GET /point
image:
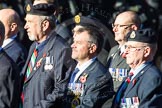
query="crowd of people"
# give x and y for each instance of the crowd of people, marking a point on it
(73, 67)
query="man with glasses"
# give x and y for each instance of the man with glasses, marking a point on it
(123, 23)
(143, 88)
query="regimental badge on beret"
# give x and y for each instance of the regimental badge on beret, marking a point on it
(28, 8)
(44, 9)
(77, 19)
(133, 34)
(146, 35)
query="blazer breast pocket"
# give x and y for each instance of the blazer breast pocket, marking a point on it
(47, 80)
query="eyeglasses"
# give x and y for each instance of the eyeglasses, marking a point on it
(118, 25)
(133, 48)
(80, 42)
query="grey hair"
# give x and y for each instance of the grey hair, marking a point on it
(51, 20)
(153, 47)
(95, 34)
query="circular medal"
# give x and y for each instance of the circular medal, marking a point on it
(75, 102)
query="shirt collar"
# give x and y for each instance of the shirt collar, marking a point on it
(138, 69)
(83, 67)
(86, 64)
(40, 46)
(9, 40)
(122, 49)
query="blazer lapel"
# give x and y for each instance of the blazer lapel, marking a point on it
(27, 62)
(35, 68)
(137, 77)
(9, 44)
(131, 85)
(120, 59)
(87, 71)
(28, 59)
(116, 58)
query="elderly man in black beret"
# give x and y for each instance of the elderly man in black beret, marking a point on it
(48, 62)
(143, 87)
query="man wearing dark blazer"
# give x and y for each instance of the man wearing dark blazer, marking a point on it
(9, 77)
(42, 84)
(12, 46)
(144, 88)
(91, 85)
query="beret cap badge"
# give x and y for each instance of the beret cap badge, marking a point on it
(77, 19)
(43, 9)
(146, 35)
(28, 8)
(133, 34)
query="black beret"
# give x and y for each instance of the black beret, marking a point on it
(81, 20)
(146, 35)
(40, 9)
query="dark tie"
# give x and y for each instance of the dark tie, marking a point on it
(121, 91)
(73, 75)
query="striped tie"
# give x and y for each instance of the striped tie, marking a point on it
(28, 72)
(31, 63)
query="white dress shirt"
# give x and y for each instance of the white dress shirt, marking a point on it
(83, 67)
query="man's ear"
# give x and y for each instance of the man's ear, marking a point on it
(13, 26)
(147, 51)
(45, 25)
(92, 48)
(134, 27)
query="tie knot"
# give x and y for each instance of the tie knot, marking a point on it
(76, 70)
(35, 51)
(74, 74)
(129, 77)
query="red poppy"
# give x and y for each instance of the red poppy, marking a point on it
(83, 79)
